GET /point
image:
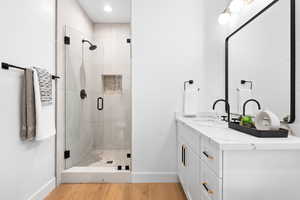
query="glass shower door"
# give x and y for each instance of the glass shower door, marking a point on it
(78, 99)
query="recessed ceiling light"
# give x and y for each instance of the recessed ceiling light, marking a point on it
(107, 8)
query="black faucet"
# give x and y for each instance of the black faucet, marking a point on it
(191, 82)
(250, 100)
(227, 107)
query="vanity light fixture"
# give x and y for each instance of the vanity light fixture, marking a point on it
(248, 1)
(235, 6)
(224, 17)
(107, 8)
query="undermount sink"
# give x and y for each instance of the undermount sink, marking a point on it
(209, 121)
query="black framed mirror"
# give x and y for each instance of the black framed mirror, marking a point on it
(260, 61)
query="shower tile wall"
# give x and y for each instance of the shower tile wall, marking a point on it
(113, 55)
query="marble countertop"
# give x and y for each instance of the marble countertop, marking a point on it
(229, 139)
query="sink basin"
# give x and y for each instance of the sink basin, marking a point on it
(209, 122)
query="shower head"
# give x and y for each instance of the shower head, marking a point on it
(92, 46)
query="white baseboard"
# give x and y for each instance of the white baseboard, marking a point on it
(154, 177)
(43, 191)
(95, 175)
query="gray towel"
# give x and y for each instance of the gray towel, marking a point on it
(45, 82)
(28, 131)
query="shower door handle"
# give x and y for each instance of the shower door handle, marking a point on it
(100, 107)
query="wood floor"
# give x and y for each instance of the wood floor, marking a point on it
(144, 191)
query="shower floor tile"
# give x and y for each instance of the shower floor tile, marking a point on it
(106, 158)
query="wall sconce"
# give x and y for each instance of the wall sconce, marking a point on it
(235, 6)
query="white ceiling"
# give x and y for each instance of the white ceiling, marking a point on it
(121, 10)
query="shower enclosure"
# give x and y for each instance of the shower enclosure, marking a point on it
(98, 100)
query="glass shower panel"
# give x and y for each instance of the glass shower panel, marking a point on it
(78, 140)
(114, 58)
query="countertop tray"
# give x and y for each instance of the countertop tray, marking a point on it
(281, 133)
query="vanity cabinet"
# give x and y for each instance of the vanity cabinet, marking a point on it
(222, 164)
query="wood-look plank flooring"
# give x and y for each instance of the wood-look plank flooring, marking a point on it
(143, 191)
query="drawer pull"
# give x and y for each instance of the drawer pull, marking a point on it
(183, 155)
(208, 156)
(207, 189)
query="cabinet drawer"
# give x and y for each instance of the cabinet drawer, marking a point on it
(204, 196)
(211, 185)
(211, 155)
(189, 136)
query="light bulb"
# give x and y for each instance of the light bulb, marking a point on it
(236, 6)
(107, 8)
(248, 1)
(224, 18)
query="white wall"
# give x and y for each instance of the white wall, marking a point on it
(167, 49)
(27, 39)
(113, 58)
(70, 14)
(214, 54)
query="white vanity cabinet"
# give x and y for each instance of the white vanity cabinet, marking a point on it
(222, 164)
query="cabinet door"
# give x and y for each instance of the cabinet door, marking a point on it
(182, 166)
(187, 165)
(180, 160)
(193, 170)
(210, 183)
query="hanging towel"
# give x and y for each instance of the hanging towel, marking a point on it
(244, 94)
(45, 116)
(28, 129)
(190, 106)
(45, 83)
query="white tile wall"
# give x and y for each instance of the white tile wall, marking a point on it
(113, 57)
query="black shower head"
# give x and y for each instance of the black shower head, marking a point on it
(92, 46)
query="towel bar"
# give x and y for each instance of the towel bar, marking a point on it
(6, 66)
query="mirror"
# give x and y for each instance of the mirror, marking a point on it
(260, 62)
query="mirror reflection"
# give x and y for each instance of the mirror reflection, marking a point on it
(260, 63)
